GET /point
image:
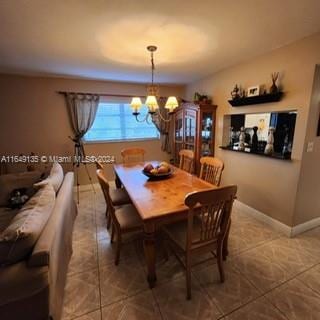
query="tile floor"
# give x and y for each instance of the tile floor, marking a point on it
(268, 276)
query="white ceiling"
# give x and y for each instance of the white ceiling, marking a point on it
(103, 39)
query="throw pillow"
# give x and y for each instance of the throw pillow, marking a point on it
(19, 238)
(55, 177)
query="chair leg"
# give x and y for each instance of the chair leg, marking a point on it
(112, 233)
(220, 261)
(118, 248)
(225, 243)
(188, 277)
(108, 220)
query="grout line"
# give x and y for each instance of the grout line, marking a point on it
(97, 245)
(265, 293)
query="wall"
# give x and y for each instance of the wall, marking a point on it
(308, 200)
(268, 185)
(34, 117)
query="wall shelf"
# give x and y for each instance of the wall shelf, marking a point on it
(278, 156)
(265, 98)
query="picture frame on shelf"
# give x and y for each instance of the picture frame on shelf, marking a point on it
(253, 91)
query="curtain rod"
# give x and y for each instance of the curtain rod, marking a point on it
(104, 94)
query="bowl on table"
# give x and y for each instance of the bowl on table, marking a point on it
(161, 171)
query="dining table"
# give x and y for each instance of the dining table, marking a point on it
(158, 202)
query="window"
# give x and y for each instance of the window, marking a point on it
(114, 121)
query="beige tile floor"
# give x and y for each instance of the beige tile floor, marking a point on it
(268, 276)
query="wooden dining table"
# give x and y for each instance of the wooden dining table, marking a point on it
(157, 201)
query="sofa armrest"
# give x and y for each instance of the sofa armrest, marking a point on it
(62, 218)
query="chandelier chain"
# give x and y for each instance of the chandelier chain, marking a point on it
(152, 68)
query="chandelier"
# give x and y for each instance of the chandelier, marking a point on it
(151, 100)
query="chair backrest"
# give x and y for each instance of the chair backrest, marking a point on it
(211, 170)
(105, 187)
(186, 160)
(99, 165)
(212, 217)
(132, 155)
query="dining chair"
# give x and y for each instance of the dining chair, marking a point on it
(125, 219)
(186, 160)
(132, 154)
(211, 170)
(204, 230)
(118, 196)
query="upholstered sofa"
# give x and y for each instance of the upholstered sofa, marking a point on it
(32, 289)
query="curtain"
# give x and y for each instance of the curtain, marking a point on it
(165, 128)
(82, 110)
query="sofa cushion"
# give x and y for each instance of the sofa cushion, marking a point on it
(55, 177)
(12, 181)
(19, 238)
(6, 215)
(18, 282)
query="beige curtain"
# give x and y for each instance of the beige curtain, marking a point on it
(82, 110)
(165, 128)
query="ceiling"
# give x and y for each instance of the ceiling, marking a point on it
(103, 39)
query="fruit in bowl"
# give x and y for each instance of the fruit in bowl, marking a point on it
(162, 170)
(164, 164)
(148, 167)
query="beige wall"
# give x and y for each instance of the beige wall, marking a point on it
(308, 200)
(34, 117)
(268, 185)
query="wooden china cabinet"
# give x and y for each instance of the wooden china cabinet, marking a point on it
(194, 129)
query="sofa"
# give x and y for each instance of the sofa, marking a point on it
(32, 288)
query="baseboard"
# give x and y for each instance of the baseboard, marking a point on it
(300, 228)
(275, 224)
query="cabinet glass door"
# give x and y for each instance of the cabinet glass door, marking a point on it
(206, 134)
(178, 128)
(190, 130)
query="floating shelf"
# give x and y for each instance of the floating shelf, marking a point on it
(265, 98)
(278, 156)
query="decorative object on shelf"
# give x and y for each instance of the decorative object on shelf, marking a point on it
(231, 136)
(286, 150)
(254, 142)
(274, 77)
(242, 93)
(269, 147)
(235, 93)
(242, 138)
(253, 91)
(201, 98)
(151, 100)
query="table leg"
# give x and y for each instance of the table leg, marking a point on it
(117, 182)
(225, 251)
(150, 253)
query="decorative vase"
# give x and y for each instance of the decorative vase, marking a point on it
(242, 138)
(269, 147)
(285, 148)
(235, 92)
(255, 139)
